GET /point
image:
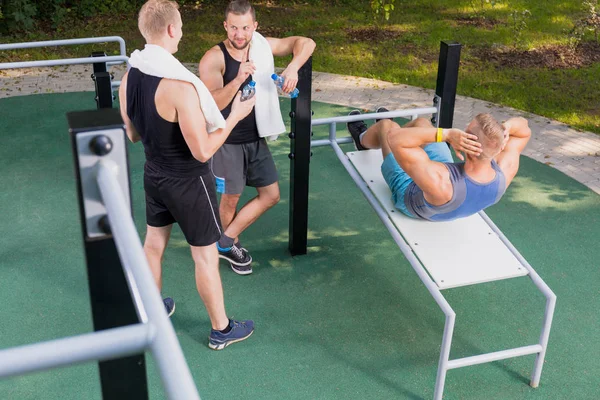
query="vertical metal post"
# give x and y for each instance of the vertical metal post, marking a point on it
(102, 81)
(447, 81)
(300, 160)
(111, 301)
(444, 355)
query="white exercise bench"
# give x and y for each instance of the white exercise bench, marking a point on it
(448, 255)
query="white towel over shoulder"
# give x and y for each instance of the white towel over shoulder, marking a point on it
(156, 61)
(268, 114)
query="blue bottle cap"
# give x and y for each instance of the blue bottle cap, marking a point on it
(251, 83)
(274, 76)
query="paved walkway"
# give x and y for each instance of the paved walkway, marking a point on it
(576, 154)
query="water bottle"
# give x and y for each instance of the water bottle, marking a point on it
(248, 91)
(279, 83)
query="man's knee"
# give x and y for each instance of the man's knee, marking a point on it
(270, 197)
(421, 123)
(229, 201)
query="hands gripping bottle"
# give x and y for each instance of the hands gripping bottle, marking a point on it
(279, 83)
(248, 91)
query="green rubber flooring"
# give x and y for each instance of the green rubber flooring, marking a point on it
(349, 320)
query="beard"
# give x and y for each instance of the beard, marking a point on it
(242, 47)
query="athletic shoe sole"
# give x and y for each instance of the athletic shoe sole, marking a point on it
(221, 346)
(172, 311)
(248, 272)
(235, 262)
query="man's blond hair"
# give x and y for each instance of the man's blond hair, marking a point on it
(490, 134)
(155, 16)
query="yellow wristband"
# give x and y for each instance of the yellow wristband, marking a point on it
(438, 136)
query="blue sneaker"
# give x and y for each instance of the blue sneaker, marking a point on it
(239, 331)
(169, 305)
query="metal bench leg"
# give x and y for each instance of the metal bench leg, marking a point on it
(444, 356)
(539, 360)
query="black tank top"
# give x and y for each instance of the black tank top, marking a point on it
(245, 131)
(164, 145)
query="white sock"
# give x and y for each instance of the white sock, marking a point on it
(360, 137)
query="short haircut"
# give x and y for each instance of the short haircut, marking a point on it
(240, 7)
(155, 16)
(490, 134)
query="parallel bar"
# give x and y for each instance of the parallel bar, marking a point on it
(103, 345)
(389, 114)
(68, 61)
(327, 142)
(174, 372)
(495, 356)
(66, 42)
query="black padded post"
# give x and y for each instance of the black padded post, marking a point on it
(447, 81)
(103, 83)
(300, 136)
(111, 301)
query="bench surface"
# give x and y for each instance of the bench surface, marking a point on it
(456, 253)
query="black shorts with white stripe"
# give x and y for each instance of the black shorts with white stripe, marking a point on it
(191, 202)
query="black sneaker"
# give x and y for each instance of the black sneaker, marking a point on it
(241, 270)
(380, 110)
(169, 305)
(356, 129)
(235, 255)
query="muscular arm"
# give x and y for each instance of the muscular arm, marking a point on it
(301, 47)
(518, 135)
(193, 124)
(432, 177)
(132, 133)
(211, 69)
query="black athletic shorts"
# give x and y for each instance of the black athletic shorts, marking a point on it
(191, 202)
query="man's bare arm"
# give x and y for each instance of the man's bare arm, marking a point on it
(301, 47)
(132, 133)
(203, 145)
(517, 133)
(211, 69)
(406, 145)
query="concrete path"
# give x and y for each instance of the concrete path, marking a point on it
(574, 153)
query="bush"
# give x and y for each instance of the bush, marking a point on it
(24, 15)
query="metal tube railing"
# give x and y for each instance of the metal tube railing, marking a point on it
(389, 114)
(174, 372)
(67, 42)
(67, 61)
(104, 345)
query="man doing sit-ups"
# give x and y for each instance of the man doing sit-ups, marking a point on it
(419, 169)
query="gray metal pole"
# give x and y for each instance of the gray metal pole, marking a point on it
(171, 364)
(68, 61)
(103, 345)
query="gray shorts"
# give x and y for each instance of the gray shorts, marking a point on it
(236, 166)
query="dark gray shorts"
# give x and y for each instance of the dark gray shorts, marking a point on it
(236, 166)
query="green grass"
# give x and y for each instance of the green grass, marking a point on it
(568, 95)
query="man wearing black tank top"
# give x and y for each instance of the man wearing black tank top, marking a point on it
(165, 115)
(244, 159)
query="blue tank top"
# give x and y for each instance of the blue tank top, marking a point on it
(468, 197)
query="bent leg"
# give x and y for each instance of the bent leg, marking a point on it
(376, 136)
(267, 197)
(208, 283)
(228, 208)
(154, 247)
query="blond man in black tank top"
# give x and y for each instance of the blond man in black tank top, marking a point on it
(166, 116)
